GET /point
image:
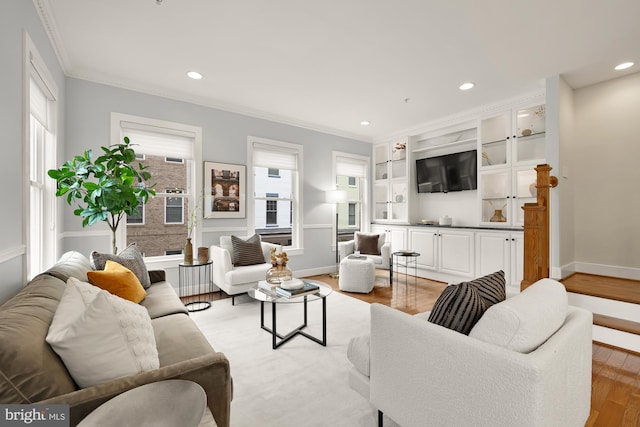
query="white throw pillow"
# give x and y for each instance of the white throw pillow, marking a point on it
(525, 321)
(76, 298)
(110, 338)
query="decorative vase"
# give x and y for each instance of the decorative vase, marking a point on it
(203, 255)
(498, 217)
(278, 273)
(188, 252)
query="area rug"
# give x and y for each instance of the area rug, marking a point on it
(301, 383)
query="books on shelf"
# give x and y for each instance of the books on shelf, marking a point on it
(308, 288)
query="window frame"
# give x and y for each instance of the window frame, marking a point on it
(364, 184)
(170, 193)
(195, 175)
(297, 196)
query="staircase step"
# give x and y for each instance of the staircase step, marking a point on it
(617, 324)
(625, 290)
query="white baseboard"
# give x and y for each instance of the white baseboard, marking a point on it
(607, 307)
(607, 270)
(616, 338)
(315, 271)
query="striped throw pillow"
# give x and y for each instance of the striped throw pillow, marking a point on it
(458, 307)
(247, 252)
(491, 288)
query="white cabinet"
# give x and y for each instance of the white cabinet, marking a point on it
(396, 235)
(511, 144)
(442, 250)
(390, 184)
(501, 250)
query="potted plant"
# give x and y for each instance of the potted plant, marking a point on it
(106, 189)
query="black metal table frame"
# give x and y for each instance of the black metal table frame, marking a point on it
(410, 261)
(189, 274)
(297, 331)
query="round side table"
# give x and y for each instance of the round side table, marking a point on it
(409, 260)
(195, 282)
(166, 403)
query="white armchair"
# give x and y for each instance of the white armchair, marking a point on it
(379, 261)
(234, 280)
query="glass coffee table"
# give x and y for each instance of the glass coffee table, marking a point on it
(278, 339)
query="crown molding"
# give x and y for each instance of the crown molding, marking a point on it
(43, 8)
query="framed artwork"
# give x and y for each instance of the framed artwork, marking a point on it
(224, 190)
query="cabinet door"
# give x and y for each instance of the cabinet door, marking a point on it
(495, 193)
(529, 145)
(425, 242)
(493, 254)
(517, 259)
(398, 205)
(456, 252)
(380, 201)
(495, 134)
(524, 191)
(398, 238)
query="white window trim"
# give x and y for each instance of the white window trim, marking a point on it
(365, 207)
(196, 177)
(166, 198)
(297, 226)
(34, 66)
(170, 160)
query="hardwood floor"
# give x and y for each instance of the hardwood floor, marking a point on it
(615, 389)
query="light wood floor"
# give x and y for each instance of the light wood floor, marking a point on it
(615, 390)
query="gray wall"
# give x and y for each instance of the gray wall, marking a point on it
(89, 106)
(17, 16)
(607, 173)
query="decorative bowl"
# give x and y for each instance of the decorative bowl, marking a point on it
(292, 284)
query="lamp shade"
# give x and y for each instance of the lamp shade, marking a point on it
(336, 196)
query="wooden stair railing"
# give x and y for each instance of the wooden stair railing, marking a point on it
(536, 229)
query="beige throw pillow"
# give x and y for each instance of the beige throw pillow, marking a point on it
(101, 337)
(130, 257)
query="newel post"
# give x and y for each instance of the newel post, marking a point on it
(536, 229)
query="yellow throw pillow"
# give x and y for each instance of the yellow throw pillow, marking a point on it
(118, 280)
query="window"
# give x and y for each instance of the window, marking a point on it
(351, 176)
(352, 214)
(40, 152)
(137, 219)
(276, 181)
(169, 151)
(273, 173)
(173, 207)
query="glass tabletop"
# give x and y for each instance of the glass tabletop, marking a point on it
(266, 295)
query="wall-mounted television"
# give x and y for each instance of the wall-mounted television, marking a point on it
(451, 172)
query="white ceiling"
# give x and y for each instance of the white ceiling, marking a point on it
(330, 64)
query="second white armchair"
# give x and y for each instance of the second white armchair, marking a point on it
(371, 245)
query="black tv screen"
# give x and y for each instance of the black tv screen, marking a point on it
(451, 172)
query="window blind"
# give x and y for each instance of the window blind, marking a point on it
(347, 166)
(273, 156)
(155, 141)
(38, 103)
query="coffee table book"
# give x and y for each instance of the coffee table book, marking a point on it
(308, 288)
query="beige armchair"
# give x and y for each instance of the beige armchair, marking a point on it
(380, 260)
(235, 280)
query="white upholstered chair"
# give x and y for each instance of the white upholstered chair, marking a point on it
(235, 280)
(380, 260)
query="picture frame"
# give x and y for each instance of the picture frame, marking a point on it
(224, 190)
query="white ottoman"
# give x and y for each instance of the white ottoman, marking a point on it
(357, 274)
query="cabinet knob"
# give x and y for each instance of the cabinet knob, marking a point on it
(507, 137)
(506, 240)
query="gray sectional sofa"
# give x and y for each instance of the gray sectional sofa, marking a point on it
(31, 372)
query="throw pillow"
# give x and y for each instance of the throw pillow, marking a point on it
(492, 288)
(108, 339)
(130, 257)
(118, 280)
(458, 307)
(247, 252)
(76, 297)
(367, 243)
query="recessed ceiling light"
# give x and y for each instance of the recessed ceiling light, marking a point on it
(365, 123)
(467, 86)
(194, 75)
(623, 66)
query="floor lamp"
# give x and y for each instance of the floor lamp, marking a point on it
(335, 197)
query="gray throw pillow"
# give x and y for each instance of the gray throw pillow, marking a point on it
(367, 243)
(458, 307)
(492, 288)
(247, 252)
(130, 257)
